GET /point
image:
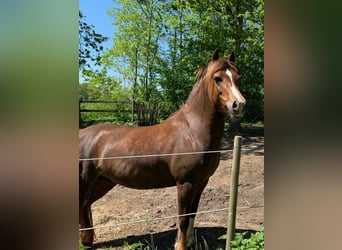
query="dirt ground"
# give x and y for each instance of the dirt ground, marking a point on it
(121, 205)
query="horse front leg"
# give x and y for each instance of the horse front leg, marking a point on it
(198, 190)
(184, 196)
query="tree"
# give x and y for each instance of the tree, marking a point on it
(159, 45)
(89, 43)
(102, 87)
(135, 52)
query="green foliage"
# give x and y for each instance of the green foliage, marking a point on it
(255, 242)
(82, 247)
(101, 87)
(140, 246)
(242, 242)
(134, 246)
(90, 46)
(159, 45)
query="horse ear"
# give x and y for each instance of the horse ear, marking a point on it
(232, 57)
(215, 55)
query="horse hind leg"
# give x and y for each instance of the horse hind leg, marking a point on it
(87, 235)
(88, 195)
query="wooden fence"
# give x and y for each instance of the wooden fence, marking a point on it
(112, 107)
(105, 110)
(140, 113)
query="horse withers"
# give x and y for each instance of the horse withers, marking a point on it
(196, 127)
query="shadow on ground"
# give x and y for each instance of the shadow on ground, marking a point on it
(165, 240)
(252, 141)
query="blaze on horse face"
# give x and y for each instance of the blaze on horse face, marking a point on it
(231, 101)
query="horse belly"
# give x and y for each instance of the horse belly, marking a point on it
(141, 176)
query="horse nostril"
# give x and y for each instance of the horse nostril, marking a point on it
(235, 106)
(238, 107)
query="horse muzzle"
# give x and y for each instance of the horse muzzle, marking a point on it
(237, 108)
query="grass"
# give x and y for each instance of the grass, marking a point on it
(81, 247)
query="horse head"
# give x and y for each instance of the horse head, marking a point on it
(223, 86)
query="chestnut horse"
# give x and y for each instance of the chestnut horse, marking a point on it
(196, 127)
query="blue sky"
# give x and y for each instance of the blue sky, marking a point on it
(95, 14)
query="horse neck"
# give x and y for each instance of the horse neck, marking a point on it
(202, 114)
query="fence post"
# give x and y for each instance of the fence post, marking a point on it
(233, 191)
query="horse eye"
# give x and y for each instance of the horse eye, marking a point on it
(217, 79)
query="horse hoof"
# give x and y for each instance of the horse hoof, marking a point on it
(87, 240)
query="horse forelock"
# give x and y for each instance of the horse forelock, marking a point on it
(204, 78)
(213, 67)
(218, 66)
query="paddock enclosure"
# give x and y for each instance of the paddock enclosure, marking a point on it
(182, 151)
(122, 205)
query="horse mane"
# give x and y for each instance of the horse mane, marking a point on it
(201, 74)
(201, 71)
